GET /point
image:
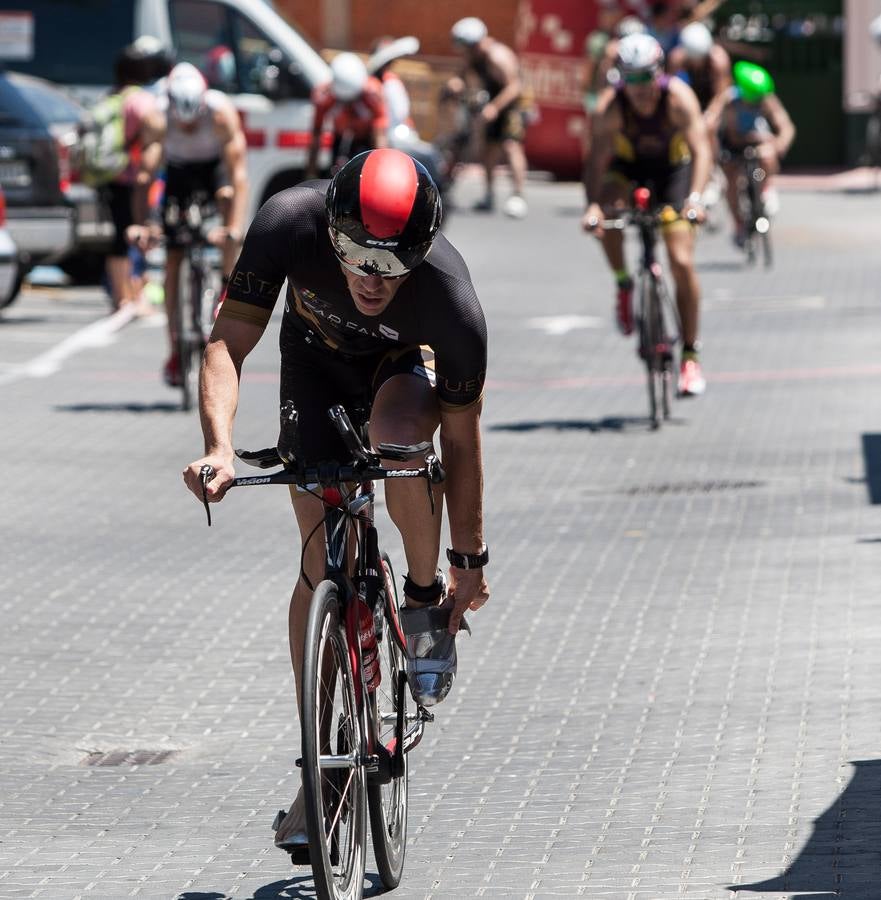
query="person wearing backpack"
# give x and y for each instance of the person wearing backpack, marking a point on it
(122, 154)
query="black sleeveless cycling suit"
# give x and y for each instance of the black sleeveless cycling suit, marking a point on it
(651, 150)
(433, 328)
(508, 124)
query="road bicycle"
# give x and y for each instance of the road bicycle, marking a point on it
(358, 721)
(657, 318)
(757, 222)
(199, 288)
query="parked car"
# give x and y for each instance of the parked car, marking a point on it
(242, 46)
(52, 217)
(10, 270)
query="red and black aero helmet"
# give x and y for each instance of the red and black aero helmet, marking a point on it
(383, 211)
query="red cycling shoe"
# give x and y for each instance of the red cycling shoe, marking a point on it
(624, 307)
(171, 371)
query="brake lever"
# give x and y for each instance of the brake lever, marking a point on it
(206, 473)
(430, 491)
(434, 474)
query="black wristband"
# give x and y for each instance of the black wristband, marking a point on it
(468, 560)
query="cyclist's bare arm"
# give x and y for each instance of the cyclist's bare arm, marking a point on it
(685, 111)
(606, 124)
(314, 143)
(720, 65)
(230, 343)
(152, 138)
(781, 124)
(463, 489)
(232, 137)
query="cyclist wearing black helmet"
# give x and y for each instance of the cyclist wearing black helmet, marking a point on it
(381, 316)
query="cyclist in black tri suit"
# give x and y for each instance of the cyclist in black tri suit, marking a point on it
(705, 66)
(496, 68)
(374, 321)
(649, 131)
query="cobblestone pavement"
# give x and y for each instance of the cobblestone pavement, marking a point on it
(672, 693)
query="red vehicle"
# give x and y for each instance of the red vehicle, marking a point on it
(550, 43)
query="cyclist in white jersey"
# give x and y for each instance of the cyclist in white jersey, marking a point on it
(204, 153)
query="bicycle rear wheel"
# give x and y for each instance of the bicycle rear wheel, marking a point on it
(388, 802)
(334, 784)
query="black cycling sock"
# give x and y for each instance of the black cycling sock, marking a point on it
(424, 594)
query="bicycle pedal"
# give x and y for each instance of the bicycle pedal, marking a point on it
(425, 715)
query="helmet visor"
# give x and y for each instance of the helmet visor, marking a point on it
(385, 262)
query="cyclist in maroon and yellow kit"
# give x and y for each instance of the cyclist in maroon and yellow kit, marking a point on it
(649, 131)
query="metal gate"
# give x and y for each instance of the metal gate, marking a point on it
(801, 43)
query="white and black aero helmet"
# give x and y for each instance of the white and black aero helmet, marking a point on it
(383, 212)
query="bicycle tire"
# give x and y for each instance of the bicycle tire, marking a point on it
(666, 314)
(183, 341)
(650, 336)
(195, 338)
(335, 797)
(872, 150)
(767, 252)
(388, 803)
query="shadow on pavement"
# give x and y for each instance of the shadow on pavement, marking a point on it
(23, 320)
(609, 423)
(120, 407)
(300, 888)
(872, 460)
(841, 857)
(720, 265)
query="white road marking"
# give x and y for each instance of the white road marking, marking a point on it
(97, 334)
(559, 325)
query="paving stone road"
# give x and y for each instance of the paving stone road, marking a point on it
(673, 692)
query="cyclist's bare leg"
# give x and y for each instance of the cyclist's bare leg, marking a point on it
(490, 155)
(406, 411)
(119, 274)
(680, 240)
(173, 259)
(516, 158)
(732, 172)
(614, 197)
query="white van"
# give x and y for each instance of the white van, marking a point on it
(243, 46)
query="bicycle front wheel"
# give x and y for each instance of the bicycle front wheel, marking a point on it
(650, 338)
(334, 783)
(388, 802)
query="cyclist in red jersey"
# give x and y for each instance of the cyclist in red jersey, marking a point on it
(352, 102)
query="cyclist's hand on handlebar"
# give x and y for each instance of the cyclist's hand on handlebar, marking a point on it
(468, 590)
(217, 485)
(694, 211)
(143, 236)
(592, 220)
(219, 235)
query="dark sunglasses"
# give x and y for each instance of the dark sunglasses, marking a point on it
(639, 77)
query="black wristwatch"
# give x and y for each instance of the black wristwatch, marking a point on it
(468, 560)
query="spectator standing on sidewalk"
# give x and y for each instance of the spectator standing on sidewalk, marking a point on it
(127, 194)
(496, 67)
